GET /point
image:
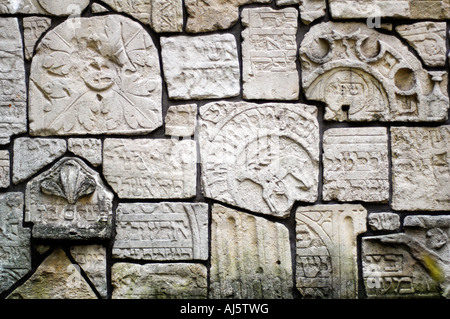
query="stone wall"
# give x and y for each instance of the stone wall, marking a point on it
(239, 149)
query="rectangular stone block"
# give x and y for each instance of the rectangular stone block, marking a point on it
(151, 168)
(4, 169)
(161, 231)
(420, 168)
(181, 120)
(356, 165)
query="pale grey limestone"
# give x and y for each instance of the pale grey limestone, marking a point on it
(32, 154)
(310, 10)
(420, 168)
(161, 231)
(33, 28)
(4, 169)
(15, 250)
(364, 75)
(151, 168)
(250, 257)
(269, 54)
(69, 201)
(201, 67)
(181, 120)
(50, 7)
(88, 148)
(159, 281)
(356, 164)
(326, 250)
(384, 221)
(97, 75)
(13, 96)
(98, 8)
(260, 157)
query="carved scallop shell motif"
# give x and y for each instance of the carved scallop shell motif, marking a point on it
(70, 181)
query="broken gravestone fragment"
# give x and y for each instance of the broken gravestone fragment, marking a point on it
(250, 257)
(415, 263)
(384, 221)
(97, 75)
(15, 250)
(420, 168)
(364, 75)
(4, 169)
(181, 120)
(33, 28)
(88, 148)
(261, 157)
(159, 281)
(161, 231)
(69, 201)
(310, 10)
(326, 253)
(49, 7)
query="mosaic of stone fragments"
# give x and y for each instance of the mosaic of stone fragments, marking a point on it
(224, 149)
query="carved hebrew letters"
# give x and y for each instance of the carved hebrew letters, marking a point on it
(201, 67)
(33, 28)
(326, 250)
(97, 75)
(260, 157)
(384, 221)
(12, 81)
(151, 168)
(420, 168)
(356, 164)
(4, 169)
(363, 75)
(269, 52)
(181, 120)
(69, 201)
(250, 257)
(161, 231)
(15, 251)
(88, 148)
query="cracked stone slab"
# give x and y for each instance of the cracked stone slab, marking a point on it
(88, 148)
(260, 157)
(420, 168)
(33, 28)
(151, 168)
(250, 257)
(201, 67)
(159, 281)
(4, 169)
(356, 164)
(13, 117)
(161, 231)
(108, 86)
(181, 120)
(269, 54)
(384, 221)
(310, 10)
(49, 7)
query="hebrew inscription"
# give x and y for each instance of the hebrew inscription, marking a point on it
(4, 169)
(33, 27)
(326, 250)
(269, 53)
(88, 148)
(260, 157)
(363, 75)
(420, 168)
(384, 221)
(151, 168)
(356, 164)
(69, 201)
(97, 75)
(181, 120)
(161, 231)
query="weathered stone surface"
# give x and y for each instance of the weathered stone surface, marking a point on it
(428, 39)
(4, 169)
(13, 118)
(32, 154)
(211, 15)
(52, 7)
(92, 259)
(356, 164)
(310, 10)
(151, 168)
(201, 67)
(161, 231)
(159, 281)
(97, 75)
(161, 15)
(88, 148)
(269, 54)
(33, 28)
(181, 120)
(384, 221)
(69, 201)
(364, 75)
(55, 278)
(415, 263)
(250, 257)
(409, 9)
(420, 168)
(260, 157)
(98, 8)
(15, 251)
(326, 253)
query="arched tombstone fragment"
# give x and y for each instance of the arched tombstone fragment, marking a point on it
(49, 7)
